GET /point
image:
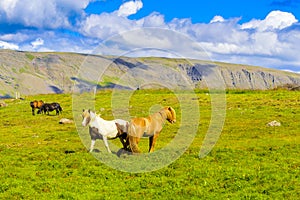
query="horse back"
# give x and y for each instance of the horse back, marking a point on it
(105, 128)
(140, 122)
(39, 103)
(138, 126)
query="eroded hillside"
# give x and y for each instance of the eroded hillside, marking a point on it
(40, 73)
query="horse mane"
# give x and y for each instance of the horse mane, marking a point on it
(169, 112)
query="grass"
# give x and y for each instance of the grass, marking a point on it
(249, 161)
(30, 56)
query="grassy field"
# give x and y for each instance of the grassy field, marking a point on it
(42, 159)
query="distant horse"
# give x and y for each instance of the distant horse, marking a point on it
(149, 126)
(49, 107)
(36, 105)
(103, 129)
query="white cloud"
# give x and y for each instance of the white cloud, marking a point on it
(153, 42)
(14, 37)
(6, 45)
(153, 20)
(265, 45)
(50, 41)
(105, 25)
(36, 43)
(269, 42)
(217, 18)
(41, 14)
(130, 8)
(288, 70)
(274, 20)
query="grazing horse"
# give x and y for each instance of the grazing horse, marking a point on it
(36, 105)
(49, 107)
(103, 129)
(149, 126)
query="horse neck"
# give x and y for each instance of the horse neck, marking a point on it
(97, 120)
(163, 115)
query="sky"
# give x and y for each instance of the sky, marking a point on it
(254, 32)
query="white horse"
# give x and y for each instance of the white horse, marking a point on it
(103, 129)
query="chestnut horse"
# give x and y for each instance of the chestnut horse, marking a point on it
(149, 126)
(36, 105)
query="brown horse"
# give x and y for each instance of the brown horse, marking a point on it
(149, 126)
(36, 105)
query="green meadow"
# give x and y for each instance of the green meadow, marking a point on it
(42, 159)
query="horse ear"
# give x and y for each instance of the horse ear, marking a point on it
(169, 108)
(89, 110)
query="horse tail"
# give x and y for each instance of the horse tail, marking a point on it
(119, 130)
(59, 108)
(131, 129)
(133, 138)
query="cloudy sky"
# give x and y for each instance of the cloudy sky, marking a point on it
(263, 33)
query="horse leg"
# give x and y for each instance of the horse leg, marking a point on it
(152, 141)
(133, 142)
(123, 142)
(92, 145)
(106, 144)
(32, 111)
(127, 143)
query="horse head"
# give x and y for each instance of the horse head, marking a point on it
(171, 114)
(86, 117)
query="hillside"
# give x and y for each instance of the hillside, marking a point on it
(40, 73)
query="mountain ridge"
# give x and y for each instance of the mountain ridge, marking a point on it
(56, 72)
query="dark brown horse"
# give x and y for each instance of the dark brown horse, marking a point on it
(150, 127)
(49, 107)
(36, 105)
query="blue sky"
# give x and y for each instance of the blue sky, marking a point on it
(202, 11)
(257, 32)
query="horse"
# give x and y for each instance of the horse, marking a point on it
(103, 129)
(36, 105)
(49, 107)
(150, 126)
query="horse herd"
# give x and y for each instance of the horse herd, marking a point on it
(45, 107)
(129, 132)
